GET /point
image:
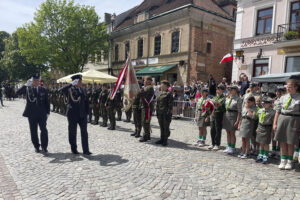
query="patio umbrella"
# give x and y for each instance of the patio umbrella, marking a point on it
(97, 77)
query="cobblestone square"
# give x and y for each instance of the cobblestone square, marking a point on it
(123, 168)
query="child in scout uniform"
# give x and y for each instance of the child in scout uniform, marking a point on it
(247, 125)
(253, 143)
(202, 117)
(287, 123)
(233, 106)
(264, 129)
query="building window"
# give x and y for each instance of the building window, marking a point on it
(292, 64)
(264, 21)
(140, 48)
(295, 16)
(117, 52)
(127, 49)
(157, 45)
(261, 67)
(208, 47)
(175, 42)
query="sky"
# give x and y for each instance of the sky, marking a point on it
(15, 13)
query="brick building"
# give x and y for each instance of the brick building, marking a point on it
(177, 40)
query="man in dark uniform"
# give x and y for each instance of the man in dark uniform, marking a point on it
(89, 95)
(164, 112)
(95, 102)
(147, 99)
(111, 105)
(77, 113)
(37, 111)
(119, 102)
(102, 99)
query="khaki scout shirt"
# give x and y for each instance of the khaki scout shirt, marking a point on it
(292, 108)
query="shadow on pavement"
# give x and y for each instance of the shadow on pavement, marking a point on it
(107, 159)
(63, 157)
(128, 130)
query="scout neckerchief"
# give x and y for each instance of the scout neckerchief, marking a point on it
(228, 104)
(262, 117)
(258, 108)
(288, 102)
(200, 104)
(148, 112)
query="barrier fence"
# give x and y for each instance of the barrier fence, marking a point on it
(184, 109)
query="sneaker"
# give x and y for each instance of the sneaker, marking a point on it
(216, 148)
(198, 142)
(245, 156)
(226, 150)
(289, 165)
(259, 159)
(283, 162)
(240, 155)
(211, 147)
(231, 151)
(296, 156)
(201, 144)
(265, 160)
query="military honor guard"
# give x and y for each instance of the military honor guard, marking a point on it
(102, 100)
(111, 105)
(37, 111)
(77, 113)
(287, 123)
(95, 102)
(89, 95)
(119, 100)
(137, 115)
(164, 107)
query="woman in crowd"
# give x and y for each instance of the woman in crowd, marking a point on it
(232, 118)
(287, 123)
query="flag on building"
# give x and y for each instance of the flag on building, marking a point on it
(121, 78)
(131, 88)
(227, 58)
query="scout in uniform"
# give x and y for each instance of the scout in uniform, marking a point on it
(217, 117)
(164, 107)
(77, 113)
(264, 129)
(95, 102)
(247, 124)
(102, 99)
(202, 117)
(253, 87)
(147, 100)
(37, 111)
(137, 115)
(287, 123)
(111, 105)
(233, 107)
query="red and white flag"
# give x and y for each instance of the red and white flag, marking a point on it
(227, 58)
(120, 78)
(131, 88)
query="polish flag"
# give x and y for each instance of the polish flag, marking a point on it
(121, 78)
(227, 58)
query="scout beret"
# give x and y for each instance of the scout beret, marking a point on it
(267, 100)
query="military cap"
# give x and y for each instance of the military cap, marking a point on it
(77, 76)
(267, 100)
(221, 86)
(35, 76)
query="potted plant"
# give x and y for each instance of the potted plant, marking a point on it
(291, 35)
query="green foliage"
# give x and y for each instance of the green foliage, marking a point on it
(63, 35)
(3, 35)
(291, 35)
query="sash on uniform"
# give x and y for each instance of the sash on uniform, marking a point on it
(148, 111)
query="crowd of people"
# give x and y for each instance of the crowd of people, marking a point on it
(260, 119)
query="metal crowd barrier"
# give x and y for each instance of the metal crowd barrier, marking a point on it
(184, 109)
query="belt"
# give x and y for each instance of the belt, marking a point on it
(231, 110)
(266, 125)
(291, 115)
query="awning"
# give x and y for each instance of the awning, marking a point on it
(154, 70)
(276, 78)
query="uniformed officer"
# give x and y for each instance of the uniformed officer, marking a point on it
(164, 107)
(147, 98)
(216, 119)
(37, 111)
(137, 115)
(287, 123)
(95, 102)
(119, 100)
(89, 95)
(102, 99)
(77, 113)
(128, 114)
(111, 105)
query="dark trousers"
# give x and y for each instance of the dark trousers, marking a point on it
(216, 128)
(104, 114)
(112, 117)
(137, 117)
(129, 114)
(82, 122)
(1, 100)
(164, 123)
(34, 122)
(96, 112)
(119, 112)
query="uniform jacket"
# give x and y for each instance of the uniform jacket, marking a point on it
(37, 105)
(164, 103)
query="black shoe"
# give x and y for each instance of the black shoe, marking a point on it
(104, 125)
(143, 140)
(138, 135)
(159, 142)
(75, 152)
(165, 143)
(96, 123)
(87, 153)
(44, 150)
(119, 119)
(37, 150)
(133, 134)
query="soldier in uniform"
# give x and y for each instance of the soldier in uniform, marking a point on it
(119, 100)
(128, 114)
(95, 102)
(147, 97)
(137, 115)
(89, 94)
(37, 111)
(164, 107)
(77, 113)
(111, 105)
(102, 99)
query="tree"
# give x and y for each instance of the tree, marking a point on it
(3, 36)
(14, 64)
(63, 35)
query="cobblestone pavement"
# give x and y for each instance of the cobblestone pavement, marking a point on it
(123, 168)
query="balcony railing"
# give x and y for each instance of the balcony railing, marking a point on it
(289, 31)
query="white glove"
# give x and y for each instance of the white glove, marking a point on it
(29, 83)
(75, 82)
